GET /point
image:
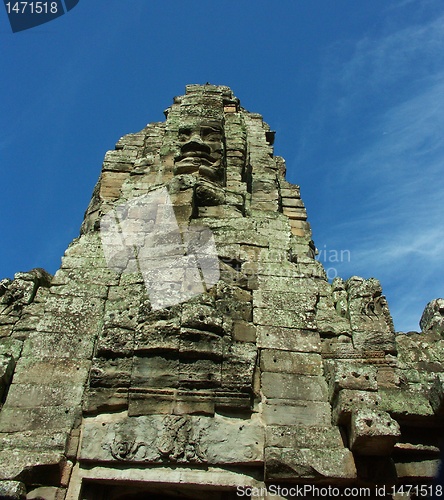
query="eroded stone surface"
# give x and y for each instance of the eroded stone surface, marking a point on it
(254, 362)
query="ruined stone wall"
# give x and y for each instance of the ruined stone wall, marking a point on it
(269, 375)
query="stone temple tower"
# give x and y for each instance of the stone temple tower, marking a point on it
(190, 346)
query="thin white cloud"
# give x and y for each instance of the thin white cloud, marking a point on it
(390, 96)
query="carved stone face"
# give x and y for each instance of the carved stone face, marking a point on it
(201, 150)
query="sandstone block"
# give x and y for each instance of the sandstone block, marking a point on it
(373, 432)
(162, 336)
(51, 371)
(115, 342)
(200, 373)
(11, 347)
(301, 436)
(436, 396)
(285, 300)
(51, 418)
(244, 331)
(291, 386)
(309, 464)
(273, 360)
(202, 317)
(349, 401)
(285, 318)
(238, 366)
(36, 395)
(348, 375)
(12, 490)
(105, 399)
(111, 372)
(111, 184)
(172, 439)
(288, 339)
(405, 405)
(155, 371)
(432, 319)
(291, 412)
(71, 346)
(199, 344)
(7, 365)
(424, 469)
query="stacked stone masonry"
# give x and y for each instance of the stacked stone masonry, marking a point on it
(271, 375)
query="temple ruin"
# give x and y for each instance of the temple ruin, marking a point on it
(190, 345)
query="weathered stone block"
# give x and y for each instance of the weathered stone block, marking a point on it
(432, 319)
(197, 344)
(105, 399)
(367, 307)
(420, 470)
(301, 436)
(36, 395)
(373, 432)
(202, 317)
(46, 492)
(58, 344)
(51, 418)
(273, 360)
(7, 365)
(200, 373)
(436, 395)
(12, 490)
(220, 211)
(111, 184)
(93, 276)
(349, 401)
(238, 366)
(405, 405)
(115, 342)
(291, 386)
(375, 340)
(155, 371)
(309, 464)
(388, 377)
(51, 371)
(285, 299)
(348, 375)
(327, 318)
(291, 412)
(80, 322)
(285, 318)
(172, 438)
(288, 339)
(32, 463)
(235, 308)
(11, 347)
(292, 202)
(30, 441)
(244, 331)
(161, 336)
(111, 372)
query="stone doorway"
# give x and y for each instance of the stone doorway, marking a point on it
(110, 491)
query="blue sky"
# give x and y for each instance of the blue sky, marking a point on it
(354, 90)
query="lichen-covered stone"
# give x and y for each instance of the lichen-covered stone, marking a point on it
(190, 337)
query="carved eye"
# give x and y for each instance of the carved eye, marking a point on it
(184, 133)
(211, 134)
